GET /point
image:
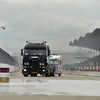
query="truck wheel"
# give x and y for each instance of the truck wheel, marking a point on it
(46, 75)
(42, 74)
(35, 75)
(25, 75)
(31, 75)
(59, 74)
(53, 74)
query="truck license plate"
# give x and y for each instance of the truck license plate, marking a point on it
(34, 56)
(34, 72)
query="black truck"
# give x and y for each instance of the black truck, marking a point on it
(36, 59)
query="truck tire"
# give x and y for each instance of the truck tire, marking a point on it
(42, 74)
(59, 74)
(53, 74)
(31, 75)
(35, 75)
(46, 75)
(25, 75)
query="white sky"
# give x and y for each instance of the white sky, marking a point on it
(56, 21)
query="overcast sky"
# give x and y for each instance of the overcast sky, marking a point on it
(56, 21)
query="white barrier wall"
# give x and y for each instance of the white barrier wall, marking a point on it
(11, 68)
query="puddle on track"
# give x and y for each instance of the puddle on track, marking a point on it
(50, 87)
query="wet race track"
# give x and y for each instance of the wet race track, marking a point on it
(66, 86)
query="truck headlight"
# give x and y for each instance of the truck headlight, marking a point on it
(24, 63)
(43, 64)
(25, 70)
(40, 64)
(27, 63)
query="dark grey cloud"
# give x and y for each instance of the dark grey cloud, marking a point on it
(56, 21)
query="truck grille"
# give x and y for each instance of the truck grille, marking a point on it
(35, 65)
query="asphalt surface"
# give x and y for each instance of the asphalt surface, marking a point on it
(66, 87)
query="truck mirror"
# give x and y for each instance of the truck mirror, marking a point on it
(21, 52)
(48, 52)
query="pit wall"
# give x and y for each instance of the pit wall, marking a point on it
(6, 58)
(82, 73)
(88, 68)
(11, 67)
(6, 61)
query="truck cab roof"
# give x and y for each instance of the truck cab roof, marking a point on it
(35, 46)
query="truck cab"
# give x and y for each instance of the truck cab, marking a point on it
(55, 61)
(35, 58)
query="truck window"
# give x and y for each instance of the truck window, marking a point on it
(55, 62)
(34, 52)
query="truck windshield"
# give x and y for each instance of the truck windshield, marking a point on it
(55, 62)
(34, 52)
